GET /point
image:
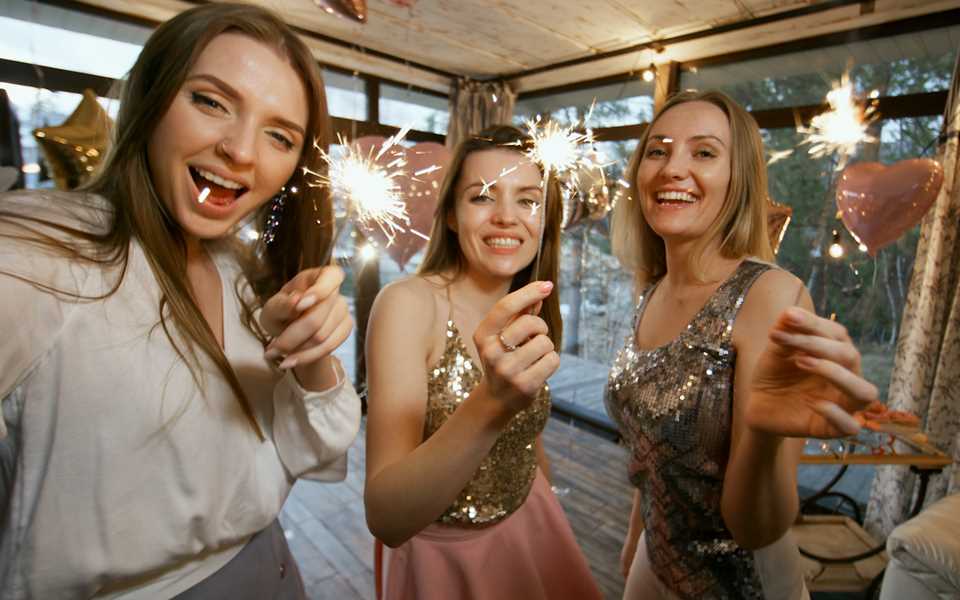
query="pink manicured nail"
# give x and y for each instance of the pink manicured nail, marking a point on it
(306, 303)
(288, 363)
(546, 286)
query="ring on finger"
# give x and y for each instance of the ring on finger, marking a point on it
(506, 346)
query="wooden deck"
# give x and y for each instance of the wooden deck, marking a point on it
(325, 526)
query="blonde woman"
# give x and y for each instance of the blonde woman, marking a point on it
(727, 368)
(457, 480)
(147, 441)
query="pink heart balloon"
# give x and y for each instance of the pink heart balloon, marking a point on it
(424, 171)
(879, 203)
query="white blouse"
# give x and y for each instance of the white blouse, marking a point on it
(120, 474)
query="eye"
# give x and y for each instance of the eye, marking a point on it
(283, 140)
(529, 202)
(206, 101)
(481, 198)
(655, 152)
(705, 153)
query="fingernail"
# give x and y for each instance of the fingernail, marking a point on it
(288, 363)
(306, 303)
(271, 354)
(546, 286)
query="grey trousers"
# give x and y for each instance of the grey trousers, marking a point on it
(263, 570)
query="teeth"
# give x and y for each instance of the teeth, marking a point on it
(502, 242)
(678, 196)
(230, 185)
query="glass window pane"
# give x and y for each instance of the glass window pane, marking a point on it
(867, 294)
(896, 65)
(402, 107)
(41, 34)
(627, 103)
(346, 95)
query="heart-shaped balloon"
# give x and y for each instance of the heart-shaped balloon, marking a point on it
(426, 164)
(879, 203)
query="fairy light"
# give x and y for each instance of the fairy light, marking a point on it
(836, 248)
(368, 252)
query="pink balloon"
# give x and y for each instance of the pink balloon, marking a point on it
(879, 203)
(424, 172)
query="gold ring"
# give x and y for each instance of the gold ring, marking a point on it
(506, 346)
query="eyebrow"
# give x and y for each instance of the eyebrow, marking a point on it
(493, 185)
(667, 139)
(229, 90)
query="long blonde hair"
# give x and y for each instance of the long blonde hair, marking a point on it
(443, 255)
(306, 225)
(741, 224)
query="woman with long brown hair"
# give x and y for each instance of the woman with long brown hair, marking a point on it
(726, 370)
(149, 435)
(457, 360)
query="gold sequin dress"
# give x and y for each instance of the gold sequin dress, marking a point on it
(674, 405)
(505, 536)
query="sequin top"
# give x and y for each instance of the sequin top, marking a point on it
(503, 480)
(674, 407)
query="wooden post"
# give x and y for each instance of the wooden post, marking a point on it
(666, 84)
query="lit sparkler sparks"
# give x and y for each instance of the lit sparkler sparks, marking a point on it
(560, 151)
(371, 192)
(840, 129)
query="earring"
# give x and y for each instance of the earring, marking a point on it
(273, 217)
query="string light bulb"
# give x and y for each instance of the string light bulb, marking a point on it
(649, 73)
(836, 248)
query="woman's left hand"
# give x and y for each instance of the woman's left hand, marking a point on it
(308, 318)
(807, 382)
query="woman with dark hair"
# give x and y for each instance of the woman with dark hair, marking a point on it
(726, 370)
(148, 441)
(457, 360)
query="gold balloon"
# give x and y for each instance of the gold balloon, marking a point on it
(778, 217)
(75, 148)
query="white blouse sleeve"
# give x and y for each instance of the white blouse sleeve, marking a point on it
(313, 430)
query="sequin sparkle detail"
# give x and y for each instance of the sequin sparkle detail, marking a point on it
(503, 480)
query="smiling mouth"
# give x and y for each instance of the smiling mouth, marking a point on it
(502, 242)
(675, 198)
(221, 191)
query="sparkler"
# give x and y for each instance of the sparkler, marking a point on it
(559, 150)
(370, 191)
(842, 128)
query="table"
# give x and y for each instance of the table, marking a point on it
(860, 562)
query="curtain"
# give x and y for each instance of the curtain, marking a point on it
(926, 371)
(476, 105)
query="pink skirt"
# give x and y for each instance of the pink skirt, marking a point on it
(531, 554)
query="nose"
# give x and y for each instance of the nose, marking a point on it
(677, 166)
(504, 212)
(238, 145)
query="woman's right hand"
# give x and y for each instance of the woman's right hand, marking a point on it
(516, 353)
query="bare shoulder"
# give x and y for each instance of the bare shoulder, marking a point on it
(411, 301)
(772, 292)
